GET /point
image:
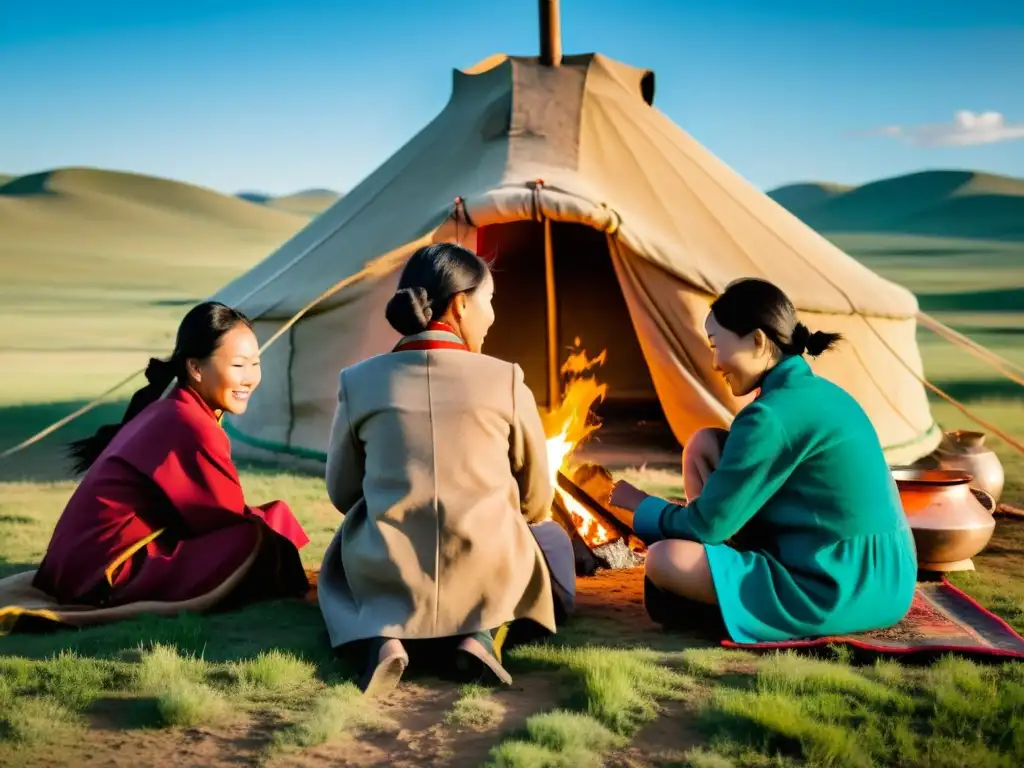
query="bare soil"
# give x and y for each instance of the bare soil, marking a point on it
(609, 603)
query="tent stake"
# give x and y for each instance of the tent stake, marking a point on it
(551, 303)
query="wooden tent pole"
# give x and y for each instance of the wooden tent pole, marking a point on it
(550, 34)
(551, 305)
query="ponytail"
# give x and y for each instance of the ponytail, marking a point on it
(159, 375)
(814, 343)
(751, 304)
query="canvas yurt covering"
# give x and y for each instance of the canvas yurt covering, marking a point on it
(646, 227)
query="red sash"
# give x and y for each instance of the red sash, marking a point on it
(437, 336)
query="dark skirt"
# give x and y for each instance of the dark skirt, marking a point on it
(681, 613)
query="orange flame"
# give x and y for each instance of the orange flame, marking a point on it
(570, 424)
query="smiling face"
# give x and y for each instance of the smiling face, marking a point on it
(742, 360)
(472, 314)
(227, 378)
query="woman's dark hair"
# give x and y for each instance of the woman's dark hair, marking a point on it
(431, 277)
(199, 335)
(751, 304)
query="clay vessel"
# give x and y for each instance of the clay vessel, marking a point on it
(966, 451)
(951, 521)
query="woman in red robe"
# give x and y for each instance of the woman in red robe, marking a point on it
(160, 515)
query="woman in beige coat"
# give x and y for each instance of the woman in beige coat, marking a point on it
(438, 461)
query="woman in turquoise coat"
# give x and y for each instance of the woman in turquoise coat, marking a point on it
(793, 525)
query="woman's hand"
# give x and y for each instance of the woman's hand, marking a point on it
(626, 496)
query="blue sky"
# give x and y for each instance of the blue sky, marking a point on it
(281, 95)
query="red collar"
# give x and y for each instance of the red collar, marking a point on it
(189, 395)
(437, 335)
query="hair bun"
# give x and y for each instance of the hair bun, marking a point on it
(409, 311)
(160, 371)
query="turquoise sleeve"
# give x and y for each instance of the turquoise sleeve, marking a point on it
(757, 460)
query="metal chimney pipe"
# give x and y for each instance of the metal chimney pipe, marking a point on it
(550, 34)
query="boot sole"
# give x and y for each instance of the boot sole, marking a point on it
(385, 677)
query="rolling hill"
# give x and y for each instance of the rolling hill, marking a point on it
(308, 202)
(109, 257)
(947, 203)
(806, 195)
(70, 218)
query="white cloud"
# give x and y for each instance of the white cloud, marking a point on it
(968, 128)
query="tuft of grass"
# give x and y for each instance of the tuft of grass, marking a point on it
(162, 664)
(613, 692)
(187, 704)
(711, 662)
(951, 714)
(698, 757)
(70, 680)
(183, 697)
(274, 672)
(337, 713)
(475, 708)
(558, 739)
(35, 720)
(619, 688)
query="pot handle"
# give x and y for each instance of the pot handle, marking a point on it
(988, 501)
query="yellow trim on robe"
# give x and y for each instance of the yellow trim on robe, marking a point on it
(127, 554)
(9, 616)
(499, 641)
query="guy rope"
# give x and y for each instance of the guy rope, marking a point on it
(387, 263)
(376, 268)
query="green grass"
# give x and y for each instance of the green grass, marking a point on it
(610, 694)
(475, 708)
(180, 688)
(71, 336)
(954, 713)
(275, 673)
(337, 713)
(559, 739)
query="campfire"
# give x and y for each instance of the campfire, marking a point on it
(582, 489)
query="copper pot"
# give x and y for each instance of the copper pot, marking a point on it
(966, 451)
(951, 521)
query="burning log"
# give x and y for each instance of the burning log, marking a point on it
(600, 538)
(584, 558)
(606, 542)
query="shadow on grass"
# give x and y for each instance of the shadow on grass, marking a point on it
(992, 333)
(974, 391)
(922, 251)
(176, 302)
(997, 300)
(289, 626)
(129, 713)
(46, 460)
(8, 568)
(268, 469)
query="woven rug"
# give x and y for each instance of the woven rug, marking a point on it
(942, 619)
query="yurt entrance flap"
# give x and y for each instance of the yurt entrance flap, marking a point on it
(556, 296)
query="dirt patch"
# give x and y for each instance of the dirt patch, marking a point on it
(423, 736)
(664, 741)
(610, 611)
(112, 746)
(116, 738)
(1004, 551)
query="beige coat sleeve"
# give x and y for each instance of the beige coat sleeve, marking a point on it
(529, 452)
(345, 459)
